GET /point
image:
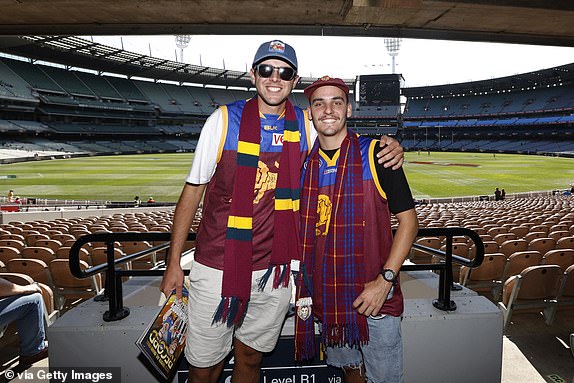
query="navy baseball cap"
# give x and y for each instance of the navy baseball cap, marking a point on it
(276, 49)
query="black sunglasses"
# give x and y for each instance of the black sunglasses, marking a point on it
(265, 70)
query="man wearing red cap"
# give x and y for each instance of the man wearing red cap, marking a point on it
(348, 278)
(248, 162)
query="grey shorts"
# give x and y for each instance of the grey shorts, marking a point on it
(208, 344)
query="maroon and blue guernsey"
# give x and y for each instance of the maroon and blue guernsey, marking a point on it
(217, 198)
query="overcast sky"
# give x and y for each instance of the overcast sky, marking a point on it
(421, 62)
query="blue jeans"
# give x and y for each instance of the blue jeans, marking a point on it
(28, 312)
(382, 356)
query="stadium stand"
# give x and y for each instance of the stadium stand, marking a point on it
(52, 110)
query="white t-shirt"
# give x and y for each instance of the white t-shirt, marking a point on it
(208, 147)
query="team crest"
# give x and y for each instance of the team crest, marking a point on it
(304, 308)
(276, 46)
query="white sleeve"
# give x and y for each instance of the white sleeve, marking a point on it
(206, 152)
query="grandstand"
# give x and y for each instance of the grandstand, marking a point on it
(48, 110)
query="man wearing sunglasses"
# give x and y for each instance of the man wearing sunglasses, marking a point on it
(248, 163)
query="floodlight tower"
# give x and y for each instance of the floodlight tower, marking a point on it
(393, 46)
(182, 42)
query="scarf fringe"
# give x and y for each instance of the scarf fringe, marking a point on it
(281, 279)
(350, 334)
(231, 310)
(305, 344)
(280, 276)
(305, 348)
(262, 282)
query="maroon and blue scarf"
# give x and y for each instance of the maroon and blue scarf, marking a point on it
(238, 253)
(343, 265)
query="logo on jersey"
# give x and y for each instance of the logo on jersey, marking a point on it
(324, 208)
(277, 139)
(266, 180)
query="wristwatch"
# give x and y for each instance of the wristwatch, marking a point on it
(389, 276)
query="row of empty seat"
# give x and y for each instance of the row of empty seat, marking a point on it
(41, 249)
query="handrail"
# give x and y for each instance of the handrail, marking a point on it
(445, 281)
(113, 287)
(113, 283)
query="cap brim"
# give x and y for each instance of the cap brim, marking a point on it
(277, 58)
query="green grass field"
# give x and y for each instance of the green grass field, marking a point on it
(120, 178)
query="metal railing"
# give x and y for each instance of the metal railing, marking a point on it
(113, 282)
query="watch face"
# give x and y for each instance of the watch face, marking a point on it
(389, 275)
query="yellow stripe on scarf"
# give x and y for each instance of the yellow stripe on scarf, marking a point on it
(248, 148)
(240, 222)
(286, 204)
(290, 136)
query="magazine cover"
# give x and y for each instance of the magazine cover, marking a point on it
(163, 341)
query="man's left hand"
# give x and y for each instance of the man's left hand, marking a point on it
(391, 153)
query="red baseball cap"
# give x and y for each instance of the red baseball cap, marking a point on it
(325, 81)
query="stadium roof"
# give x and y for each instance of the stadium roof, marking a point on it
(72, 51)
(558, 76)
(544, 22)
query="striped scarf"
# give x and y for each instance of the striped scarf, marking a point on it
(236, 286)
(343, 267)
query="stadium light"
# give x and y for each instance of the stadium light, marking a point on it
(393, 46)
(182, 42)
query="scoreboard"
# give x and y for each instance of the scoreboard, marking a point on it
(379, 89)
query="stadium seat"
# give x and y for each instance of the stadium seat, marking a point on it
(558, 227)
(519, 231)
(566, 293)
(520, 261)
(556, 235)
(8, 253)
(561, 257)
(543, 245)
(63, 238)
(542, 228)
(144, 262)
(565, 243)
(501, 238)
(8, 235)
(486, 278)
(14, 229)
(49, 243)
(418, 256)
(64, 253)
(536, 287)
(33, 237)
(36, 252)
(535, 234)
(14, 243)
(35, 268)
(512, 246)
(494, 231)
(67, 287)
